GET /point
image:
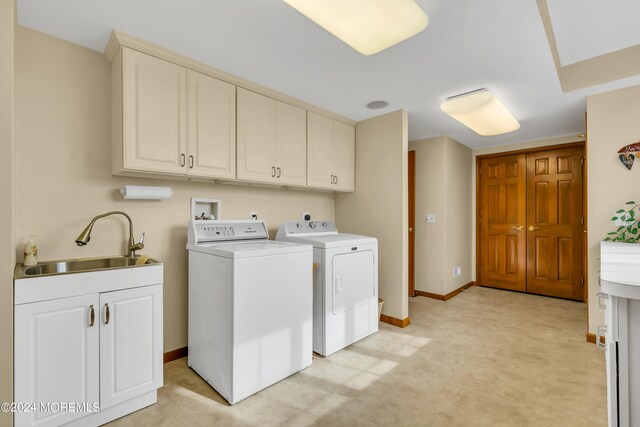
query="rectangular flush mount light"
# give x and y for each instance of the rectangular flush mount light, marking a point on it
(368, 26)
(482, 112)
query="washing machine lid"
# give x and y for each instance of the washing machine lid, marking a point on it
(333, 241)
(249, 249)
(321, 234)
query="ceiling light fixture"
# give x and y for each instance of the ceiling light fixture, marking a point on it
(367, 26)
(482, 112)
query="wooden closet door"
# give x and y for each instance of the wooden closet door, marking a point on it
(554, 223)
(502, 222)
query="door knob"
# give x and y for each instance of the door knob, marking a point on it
(519, 227)
(410, 229)
(533, 228)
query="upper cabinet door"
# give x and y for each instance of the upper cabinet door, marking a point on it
(344, 156)
(56, 357)
(130, 343)
(256, 137)
(319, 151)
(212, 127)
(291, 145)
(154, 114)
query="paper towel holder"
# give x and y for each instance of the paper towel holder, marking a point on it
(140, 192)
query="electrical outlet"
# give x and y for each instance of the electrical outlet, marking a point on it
(306, 216)
(430, 218)
(253, 215)
(457, 271)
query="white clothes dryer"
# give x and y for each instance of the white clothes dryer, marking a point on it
(345, 292)
(250, 306)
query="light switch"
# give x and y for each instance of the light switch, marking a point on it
(430, 218)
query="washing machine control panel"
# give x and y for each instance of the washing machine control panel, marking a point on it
(208, 231)
(307, 227)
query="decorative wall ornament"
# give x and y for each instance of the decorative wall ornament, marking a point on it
(626, 154)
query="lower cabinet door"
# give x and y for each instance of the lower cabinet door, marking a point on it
(56, 360)
(130, 343)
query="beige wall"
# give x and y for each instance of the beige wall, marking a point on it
(378, 207)
(429, 197)
(63, 174)
(7, 257)
(612, 122)
(458, 205)
(443, 177)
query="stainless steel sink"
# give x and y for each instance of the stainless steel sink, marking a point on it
(48, 268)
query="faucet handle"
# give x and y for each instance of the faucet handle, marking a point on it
(142, 238)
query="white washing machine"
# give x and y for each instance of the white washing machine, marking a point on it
(250, 306)
(345, 293)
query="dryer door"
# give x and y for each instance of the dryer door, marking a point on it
(352, 280)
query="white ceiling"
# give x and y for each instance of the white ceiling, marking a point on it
(469, 44)
(585, 29)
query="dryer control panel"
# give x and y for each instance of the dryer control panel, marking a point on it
(299, 228)
(209, 231)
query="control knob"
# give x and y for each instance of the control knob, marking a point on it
(312, 224)
(299, 225)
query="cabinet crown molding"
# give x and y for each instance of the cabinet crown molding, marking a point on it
(119, 39)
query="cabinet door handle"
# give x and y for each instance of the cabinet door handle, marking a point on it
(107, 315)
(92, 315)
(332, 179)
(273, 171)
(191, 162)
(279, 172)
(182, 160)
(336, 180)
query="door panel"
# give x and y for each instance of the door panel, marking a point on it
(411, 159)
(353, 280)
(502, 210)
(291, 144)
(212, 126)
(555, 241)
(256, 137)
(130, 343)
(56, 349)
(154, 116)
(344, 155)
(319, 151)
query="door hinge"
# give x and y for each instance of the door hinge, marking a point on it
(582, 161)
(582, 281)
(479, 171)
(582, 220)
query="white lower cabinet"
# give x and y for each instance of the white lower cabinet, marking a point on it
(87, 359)
(56, 358)
(130, 344)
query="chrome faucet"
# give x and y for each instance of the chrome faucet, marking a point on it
(132, 247)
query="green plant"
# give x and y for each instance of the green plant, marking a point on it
(630, 231)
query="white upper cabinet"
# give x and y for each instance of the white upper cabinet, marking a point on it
(271, 142)
(291, 144)
(344, 156)
(330, 153)
(177, 118)
(171, 120)
(154, 114)
(211, 114)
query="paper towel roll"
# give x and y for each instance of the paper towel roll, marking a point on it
(145, 193)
